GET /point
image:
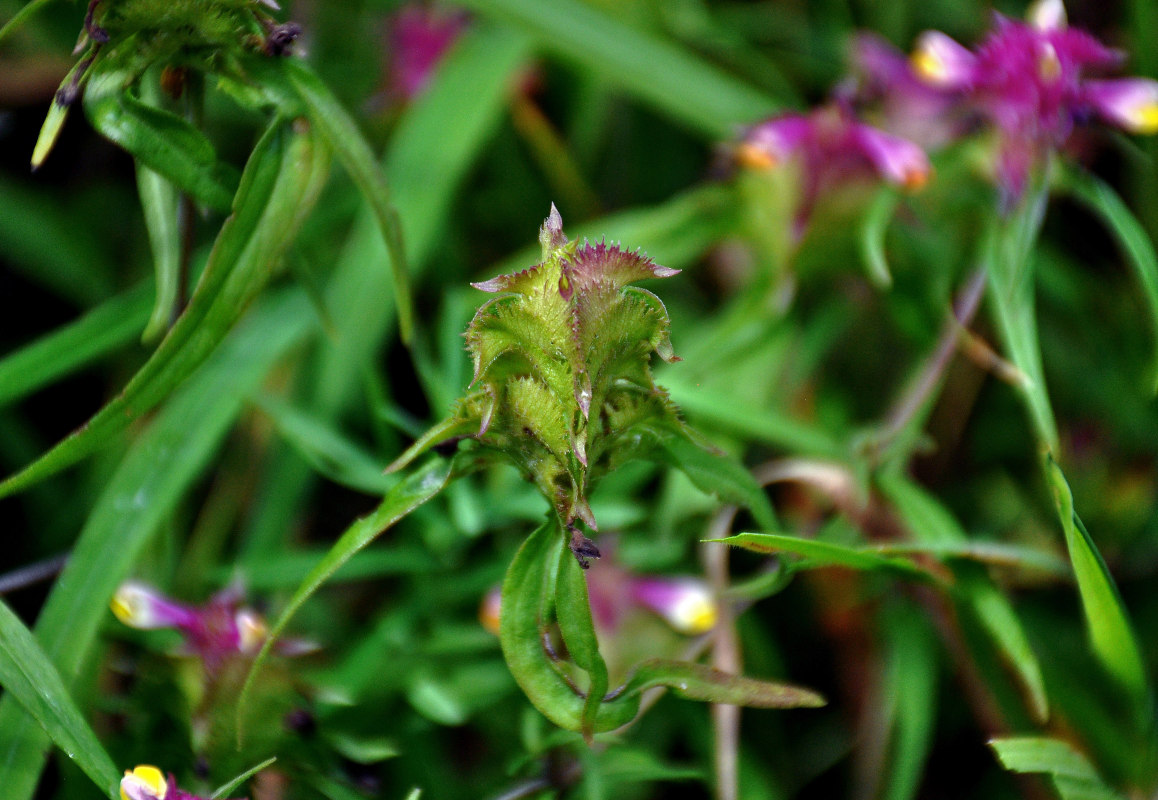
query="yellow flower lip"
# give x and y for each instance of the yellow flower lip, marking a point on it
(1144, 119)
(928, 66)
(144, 782)
(753, 157)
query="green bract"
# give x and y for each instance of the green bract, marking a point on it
(562, 378)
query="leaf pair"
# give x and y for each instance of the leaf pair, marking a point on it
(543, 583)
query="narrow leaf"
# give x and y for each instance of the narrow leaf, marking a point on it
(161, 141)
(662, 74)
(874, 228)
(111, 325)
(573, 610)
(27, 675)
(230, 785)
(698, 682)
(825, 554)
(1099, 197)
(931, 523)
(1110, 631)
(1073, 775)
(716, 473)
(347, 141)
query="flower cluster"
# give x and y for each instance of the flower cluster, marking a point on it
(832, 146)
(1027, 81)
(562, 375)
(148, 783)
(220, 629)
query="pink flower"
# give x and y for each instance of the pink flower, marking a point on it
(419, 37)
(685, 603)
(1028, 81)
(147, 783)
(831, 147)
(216, 631)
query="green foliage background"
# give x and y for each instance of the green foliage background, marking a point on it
(923, 580)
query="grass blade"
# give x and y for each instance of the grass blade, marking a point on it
(661, 74)
(1111, 633)
(1097, 195)
(27, 675)
(343, 136)
(112, 325)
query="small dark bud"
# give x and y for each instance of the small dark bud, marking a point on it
(281, 38)
(301, 722)
(583, 549)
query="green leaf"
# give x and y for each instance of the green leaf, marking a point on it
(1110, 631)
(1073, 775)
(825, 554)
(699, 682)
(408, 495)
(1097, 195)
(161, 141)
(143, 491)
(716, 473)
(282, 180)
(348, 143)
(1007, 254)
(22, 15)
(528, 588)
(27, 675)
(159, 202)
(573, 610)
(662, 74)
(910, 691)
(874, 227)
(233, 783)
(111, 325)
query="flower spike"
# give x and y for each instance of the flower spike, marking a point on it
(562, 378)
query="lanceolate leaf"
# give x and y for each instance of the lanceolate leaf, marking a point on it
(281, 182)
(348, 143)
(715, 472)
(825, 554)
(578, 629)
(1073, 775)
(1100, 198)
(111, 325)
(528, 592)
(685, 87)
(161, 141)
(27, 675)
(1110, 631)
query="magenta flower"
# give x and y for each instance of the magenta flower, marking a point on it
(419, 37)
(832, 147)
(216, 631)
(1028, 81)
(147, 783)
